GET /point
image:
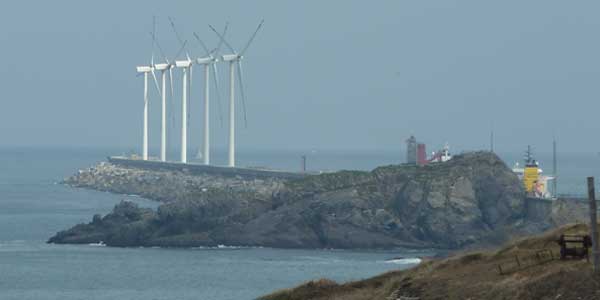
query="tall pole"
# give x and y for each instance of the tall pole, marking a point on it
(231, 114)
(492, 141)
(205, 152)
(184, 118)
(554, 169)
(163, 127)
(145, 138)
(303, 163)
(594, 224)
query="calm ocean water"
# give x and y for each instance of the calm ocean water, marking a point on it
(33, 207)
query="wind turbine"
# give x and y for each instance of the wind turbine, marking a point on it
(235, 59)
(209, 62)
(186, 66)
(163, 68)
(146, 70)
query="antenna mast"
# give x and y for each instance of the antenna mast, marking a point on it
(554, 169)
(303, 163)
(492, 141)
(528, 156)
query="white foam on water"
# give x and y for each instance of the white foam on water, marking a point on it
(405, 261)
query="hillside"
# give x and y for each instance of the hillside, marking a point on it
(474, 275)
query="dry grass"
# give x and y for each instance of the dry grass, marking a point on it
(378, 287)
(471, 275)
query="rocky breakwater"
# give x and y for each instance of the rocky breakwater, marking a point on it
(470, 199)
(168, 185)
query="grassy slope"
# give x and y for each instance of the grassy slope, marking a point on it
(472, 275)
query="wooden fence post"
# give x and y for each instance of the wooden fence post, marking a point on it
(593, 224)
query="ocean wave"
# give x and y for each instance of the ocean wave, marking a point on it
(226, 247)
(405, 261)
(12, 243)
(99, 244)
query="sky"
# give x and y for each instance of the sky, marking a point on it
(347, 75)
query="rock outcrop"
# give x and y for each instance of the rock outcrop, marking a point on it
(470, 199)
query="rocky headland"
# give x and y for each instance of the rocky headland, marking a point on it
(472, 199)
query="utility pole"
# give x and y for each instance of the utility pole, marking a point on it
(492, 141)
(304, 163)
(594, 225)
(554, 170)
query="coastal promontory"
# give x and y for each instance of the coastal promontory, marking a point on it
(473, 198)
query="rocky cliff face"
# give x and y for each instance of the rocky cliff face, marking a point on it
(472, 198)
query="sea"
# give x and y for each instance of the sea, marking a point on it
(34, 206)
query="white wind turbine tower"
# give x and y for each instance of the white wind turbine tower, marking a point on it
(163, 68)
(146, 70)
(235, 59)
(209, 62)
(186, 66)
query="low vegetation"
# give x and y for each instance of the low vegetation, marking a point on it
(474, 275)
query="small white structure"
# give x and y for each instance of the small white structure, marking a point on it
(442, 155)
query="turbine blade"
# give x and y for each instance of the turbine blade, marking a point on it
(178, 36)
(216, 51)
(252, 38)
(191, 78)
(174, 29)
(153, 34)
(162, 53)
(189, 97)
(180, 50)
(240, 79)
(218, 92)
(171, 123)
(156, 83)
(222, 38)
(171, 79)
(202, 44)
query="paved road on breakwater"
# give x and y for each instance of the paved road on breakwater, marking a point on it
(193, 169)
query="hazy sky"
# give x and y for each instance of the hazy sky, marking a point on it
(321, 74)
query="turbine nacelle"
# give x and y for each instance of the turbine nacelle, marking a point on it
(232, 57)
(206, 60)
(183, 63)
(143, 69)
(162, 67)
